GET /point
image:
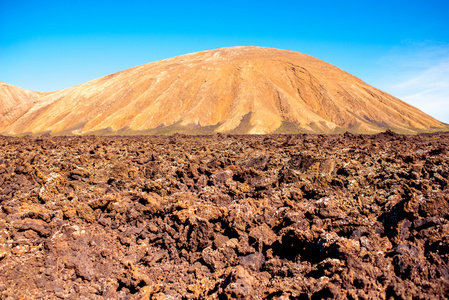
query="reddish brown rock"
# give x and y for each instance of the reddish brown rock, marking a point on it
(37, 225)
(232, 217)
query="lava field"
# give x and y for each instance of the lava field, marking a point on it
(225, 217)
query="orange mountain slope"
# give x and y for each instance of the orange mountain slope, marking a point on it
(238, 90)
(14, 102)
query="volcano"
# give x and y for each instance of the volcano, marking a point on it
(242, 90)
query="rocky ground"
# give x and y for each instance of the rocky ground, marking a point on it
(225, 217)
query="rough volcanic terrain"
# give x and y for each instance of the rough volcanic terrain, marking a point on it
(225, 217)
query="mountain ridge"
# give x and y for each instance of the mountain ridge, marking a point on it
(213, 91)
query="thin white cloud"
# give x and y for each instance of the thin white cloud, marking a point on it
(421, 78)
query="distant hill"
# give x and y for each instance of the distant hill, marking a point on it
(232, 90)
(14, 102)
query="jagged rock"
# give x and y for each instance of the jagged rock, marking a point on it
(312, 217)
(37, 225)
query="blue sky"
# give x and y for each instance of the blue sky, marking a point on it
(401, 47)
